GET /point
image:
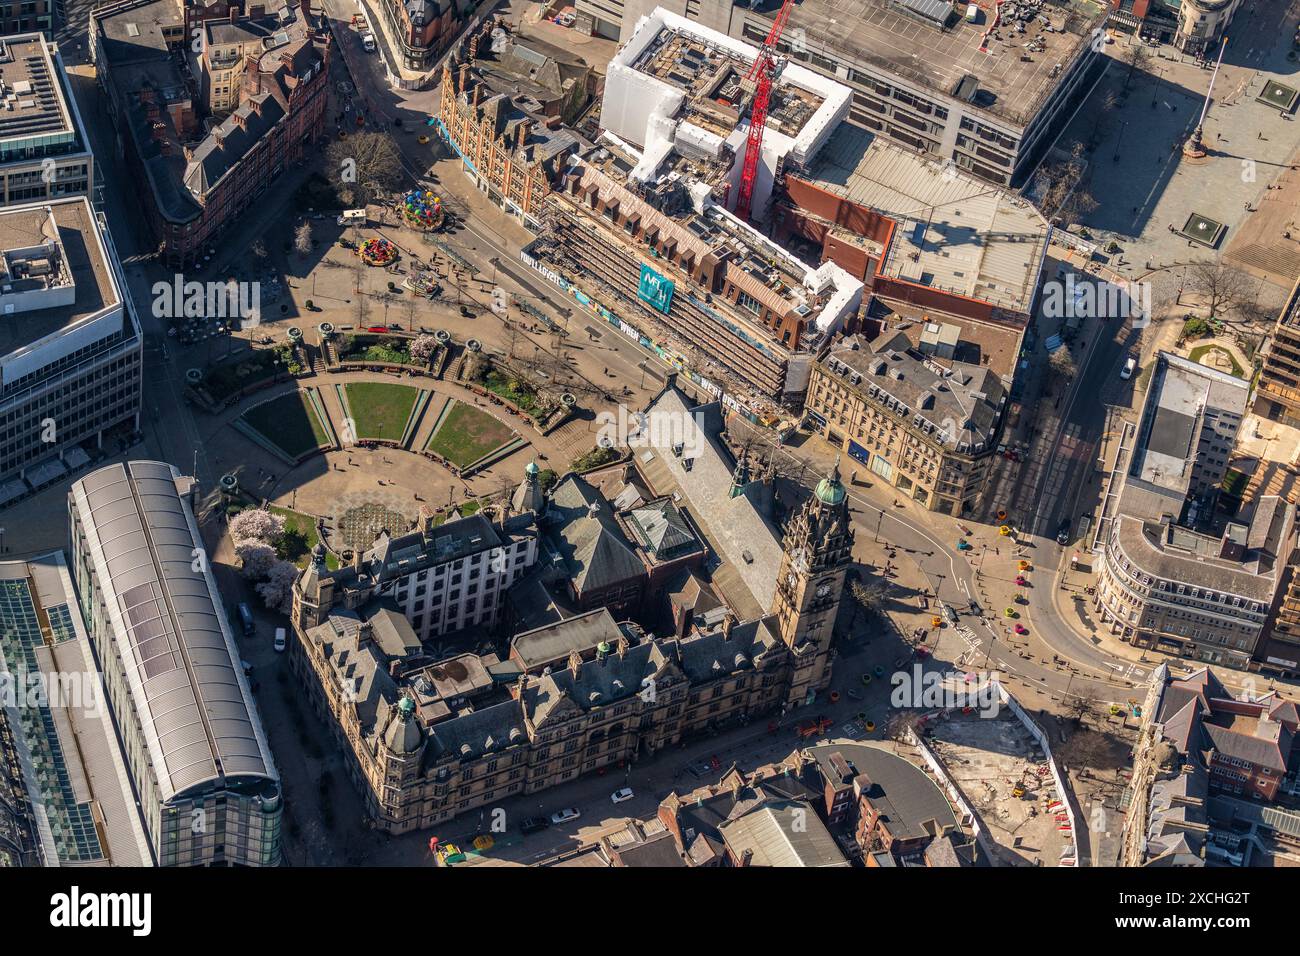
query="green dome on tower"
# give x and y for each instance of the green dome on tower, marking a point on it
(830, 491)
(531, 469)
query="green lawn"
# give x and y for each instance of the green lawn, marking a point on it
(467, 434)
(299, 538)
(289, 422)
(1197, 353)
(517, 393)
(379, 409)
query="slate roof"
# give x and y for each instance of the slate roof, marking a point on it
(711, 655)
(735, 525)
(554, 642)
(479, 732)
(597, 684)
(964, 404)
(223, 148)
(585, 534)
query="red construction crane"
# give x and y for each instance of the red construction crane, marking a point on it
(764, 71)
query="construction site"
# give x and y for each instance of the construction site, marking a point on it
(998, 768)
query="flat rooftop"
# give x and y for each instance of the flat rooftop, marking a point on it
(32, 103)
(1181, 393)
(952, 231)
(713, 81)
(68, 225)
(73, 769)
(995, 347)
(1011, 79)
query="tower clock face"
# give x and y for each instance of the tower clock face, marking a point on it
(823, 590)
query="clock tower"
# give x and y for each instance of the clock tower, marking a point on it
(818, 548)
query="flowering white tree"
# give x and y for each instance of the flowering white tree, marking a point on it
(256, 525)
(277, 589)
(423, 347)
(258, 559)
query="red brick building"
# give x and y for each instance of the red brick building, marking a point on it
(195, 184)
(1247, 746)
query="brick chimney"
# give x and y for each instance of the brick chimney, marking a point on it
(234, 14)
(257, 11)
(521, 132)
(728, 623)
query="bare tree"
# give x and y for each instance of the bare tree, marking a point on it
(1104, 109)
(366, 165)
(1081, 707)
(1135, 55)
(1062, 194)
(900, 724)
(1062, 363)
(1222, 288)
(867, 598)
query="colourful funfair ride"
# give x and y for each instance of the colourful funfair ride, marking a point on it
(377, 251)
(422, 210)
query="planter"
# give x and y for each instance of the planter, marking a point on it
(193, 376)
(229, 484)
(295, 334)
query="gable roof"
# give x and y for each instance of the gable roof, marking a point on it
(586, 536)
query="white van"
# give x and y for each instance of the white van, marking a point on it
(368, 42)
(280, 643)
(1129, 366)
(972, 13)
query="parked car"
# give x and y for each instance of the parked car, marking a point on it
(533, 825)
(246, 620)
(1129, 366)
(565, 815)
(621, 796)
(280, 642)
(1063, 532)
(950, 615)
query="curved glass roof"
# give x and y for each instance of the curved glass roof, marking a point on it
(199, 720)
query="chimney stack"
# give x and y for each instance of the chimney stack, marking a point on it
(728, 623)
(521, 133)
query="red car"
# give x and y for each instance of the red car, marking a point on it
(377, 328)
